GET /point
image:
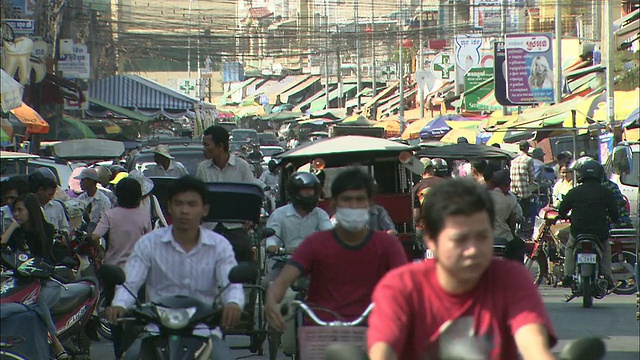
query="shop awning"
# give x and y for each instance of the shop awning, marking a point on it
(98, 126)
(629, 30)
(381, 95)
(394, 102)
(10, 92)
(284, 85)
(31, 119)
(132, 115)
(85, 131)
(136, 92)
(284, 96)
(321, 103)
(234, 88)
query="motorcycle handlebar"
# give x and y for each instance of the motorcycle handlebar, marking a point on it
(284, 309)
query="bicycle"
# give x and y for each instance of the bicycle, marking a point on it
(313, 341)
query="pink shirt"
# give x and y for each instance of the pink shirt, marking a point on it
(125, 227)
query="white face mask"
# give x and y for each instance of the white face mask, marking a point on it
(352, 220)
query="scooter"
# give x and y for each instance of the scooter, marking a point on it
(176, 317)
(21, 283)
(588, 282)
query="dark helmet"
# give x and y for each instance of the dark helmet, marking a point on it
(303, 180)
(577, 164)
(591, 170)
(272, 165)
(440, 167)
(115, 170)
(35, 178)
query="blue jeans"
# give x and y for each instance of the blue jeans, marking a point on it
(49, 295)
(220, 350)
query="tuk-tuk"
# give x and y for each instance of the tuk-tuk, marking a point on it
(379, 157)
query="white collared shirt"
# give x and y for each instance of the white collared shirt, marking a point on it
(160, 263)
(237, 170)
(175, 170)
(100, 204)
(55, 215)
(271, 179)
(293, 228)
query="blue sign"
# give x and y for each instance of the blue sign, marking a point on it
(232, 72)
(21, 27)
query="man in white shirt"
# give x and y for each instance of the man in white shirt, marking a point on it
(184, 258)
(96, 202)
(222, 166)
(165, 164)
(271, 178)
(54, 211)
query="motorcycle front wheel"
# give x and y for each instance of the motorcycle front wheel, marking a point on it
(628, 286)
(538, 266)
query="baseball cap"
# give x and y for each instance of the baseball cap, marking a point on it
(119, 176)
(89, 174)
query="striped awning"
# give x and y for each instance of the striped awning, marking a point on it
(136, 92)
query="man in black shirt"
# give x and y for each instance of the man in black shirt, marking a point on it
(591, 205)
(434, 171)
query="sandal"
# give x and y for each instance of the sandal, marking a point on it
(62, 355)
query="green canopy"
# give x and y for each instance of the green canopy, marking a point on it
(4, 138)
(84, 129)
(120, 110)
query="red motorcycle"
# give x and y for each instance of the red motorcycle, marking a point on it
(545, 252)
(22, 275)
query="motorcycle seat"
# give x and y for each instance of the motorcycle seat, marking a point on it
(72, 297)
(587, 237)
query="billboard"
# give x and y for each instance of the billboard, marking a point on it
(530, 77)
(500, 74)
(473, 78)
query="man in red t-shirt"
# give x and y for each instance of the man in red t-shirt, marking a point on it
(345, 264)
(464, 301)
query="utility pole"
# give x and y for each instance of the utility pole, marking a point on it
(558, 54)
(400, 69)
(503, 31)
(189, 43)
(456, 69)
(326, 54)
(609, 48)
(421, 59)
(373, 53)
(358, 64)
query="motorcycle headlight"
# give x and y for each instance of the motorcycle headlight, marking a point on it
(175, 318)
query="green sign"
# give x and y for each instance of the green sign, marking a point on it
(473, 94)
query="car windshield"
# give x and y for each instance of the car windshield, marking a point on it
(244, 135)
(271, 150)
(189, 158)
(267, 139)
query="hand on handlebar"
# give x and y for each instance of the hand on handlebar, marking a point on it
(114, 312)
(231, 315)
(274, 316)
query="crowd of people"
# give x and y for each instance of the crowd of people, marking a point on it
(352, 259)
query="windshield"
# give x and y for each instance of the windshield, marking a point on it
(633, 178)
(270, 151)
(267, 139)
(244, 135)
(190, 159)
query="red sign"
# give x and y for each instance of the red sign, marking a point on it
(437, 44)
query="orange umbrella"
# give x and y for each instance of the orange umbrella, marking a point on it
(391, 127)
(31, 119)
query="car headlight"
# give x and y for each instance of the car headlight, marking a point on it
(175, 318)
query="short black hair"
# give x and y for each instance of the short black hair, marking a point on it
(189, 183)
(19, 183)
(352, 179)
(128, 193)
(219, 135)
(483, 168)
(45, 183)
(524, 145)
(454, 197)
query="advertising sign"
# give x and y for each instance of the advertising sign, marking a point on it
(467, 54)
(443, 66)
(77, 64)
(500, 74)
(530, 77)
(21, 27)
(232, 71)
(473, 78)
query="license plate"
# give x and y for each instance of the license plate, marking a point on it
(429, 254)
(586, 259)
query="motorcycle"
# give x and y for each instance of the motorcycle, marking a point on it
(22, 275)
(588, 282)
(177, 316)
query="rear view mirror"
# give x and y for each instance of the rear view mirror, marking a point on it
(584, 349)
(112, 274)
(621, 160)
(243, 273)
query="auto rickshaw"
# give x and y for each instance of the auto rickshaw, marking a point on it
(379, 157)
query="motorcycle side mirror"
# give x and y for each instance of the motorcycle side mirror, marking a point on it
(114, 274)
(621, 160)
(243, 273)
(588, 348)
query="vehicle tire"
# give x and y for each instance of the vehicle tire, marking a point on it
(273, 338)
(538, 267)
(105, 328)
(587, 300)
(628, 286)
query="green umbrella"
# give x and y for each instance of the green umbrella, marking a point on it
(84, 129)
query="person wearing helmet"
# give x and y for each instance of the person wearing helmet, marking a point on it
(591, 205)
(271, 177)
(434, 172)
(345, 263)
(104, 176)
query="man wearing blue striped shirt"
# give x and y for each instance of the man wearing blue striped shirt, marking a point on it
(186, 259)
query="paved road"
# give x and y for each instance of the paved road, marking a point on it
(612, 319)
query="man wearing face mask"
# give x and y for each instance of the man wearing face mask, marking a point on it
(298, 219)
(344, 264)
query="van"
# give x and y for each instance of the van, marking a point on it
(623, 168)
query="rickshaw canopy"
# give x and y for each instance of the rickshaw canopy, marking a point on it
(463, 151)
